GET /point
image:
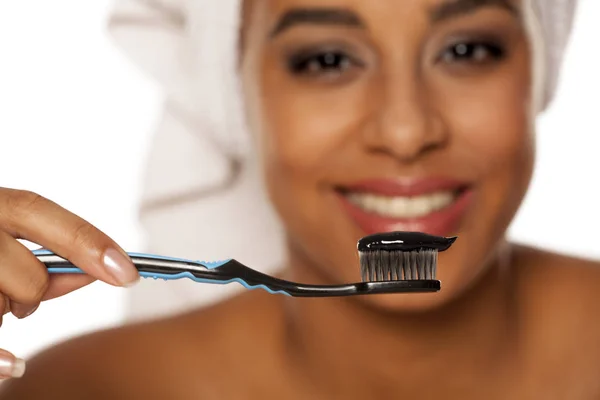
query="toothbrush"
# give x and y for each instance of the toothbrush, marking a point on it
(396, 262)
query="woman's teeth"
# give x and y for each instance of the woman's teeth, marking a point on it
(402, 207)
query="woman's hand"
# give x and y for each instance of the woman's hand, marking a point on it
(24, 281)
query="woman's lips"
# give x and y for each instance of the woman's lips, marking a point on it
(434, 206)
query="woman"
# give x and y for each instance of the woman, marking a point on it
(367, 117)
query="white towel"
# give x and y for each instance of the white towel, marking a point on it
(192, 207)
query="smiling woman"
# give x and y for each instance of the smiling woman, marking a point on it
(373, 117)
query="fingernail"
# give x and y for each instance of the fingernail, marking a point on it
(28, 313)
(11, 367)
(22, 310)
(120, 267)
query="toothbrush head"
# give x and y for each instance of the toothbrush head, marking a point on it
(401, 256)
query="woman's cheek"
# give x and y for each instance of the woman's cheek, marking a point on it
(307, 126)
(492, 123)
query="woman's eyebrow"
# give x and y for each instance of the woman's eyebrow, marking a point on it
(316, 16)
(344, 17)
(456, 8)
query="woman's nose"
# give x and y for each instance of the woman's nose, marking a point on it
(405, 122)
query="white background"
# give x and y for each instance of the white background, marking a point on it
(75, 119)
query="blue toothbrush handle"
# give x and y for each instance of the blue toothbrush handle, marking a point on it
(168, 268)
(148, 265)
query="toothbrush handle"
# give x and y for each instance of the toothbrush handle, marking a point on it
(149, 266)
(166, 268)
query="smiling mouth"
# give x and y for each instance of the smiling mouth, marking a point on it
(403, 207)
(431, 205)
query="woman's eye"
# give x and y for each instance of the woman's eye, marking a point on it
(477, 53)
(320, 63)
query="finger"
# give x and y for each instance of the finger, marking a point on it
(4, 304)
(29, 216)
(59, 285)
(63, 284)
(11, 366)
(24, 279)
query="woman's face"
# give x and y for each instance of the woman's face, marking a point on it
(390, 115)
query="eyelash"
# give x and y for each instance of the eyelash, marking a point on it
(337, 62)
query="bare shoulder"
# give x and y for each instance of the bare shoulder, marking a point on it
(559, 324)
(562, 294)
(179, 357)
(105, 364)
(560, 274)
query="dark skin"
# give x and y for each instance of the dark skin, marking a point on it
(250, 348)
(511, 322)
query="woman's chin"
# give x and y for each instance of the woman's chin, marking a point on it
(409, 302)
(452, 285)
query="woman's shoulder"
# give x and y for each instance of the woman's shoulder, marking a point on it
(167, 358)
(558, 278)
(561, 294)
(553, 270)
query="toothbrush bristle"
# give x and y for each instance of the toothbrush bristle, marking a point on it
(401, 256)
(397, 265)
